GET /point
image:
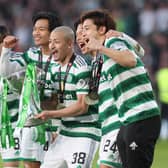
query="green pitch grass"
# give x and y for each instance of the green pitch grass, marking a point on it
(161, 153)
(160, 158)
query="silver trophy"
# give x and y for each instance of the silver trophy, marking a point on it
(48, 100)
(15, 82)
(35, 108)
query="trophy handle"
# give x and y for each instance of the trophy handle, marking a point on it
(35, 103)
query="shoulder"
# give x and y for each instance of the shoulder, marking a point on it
(33, 50)
(15, 55)
(80, 61)
(32, 54)
(117, 42)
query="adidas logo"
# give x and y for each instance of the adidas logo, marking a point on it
(133, 145)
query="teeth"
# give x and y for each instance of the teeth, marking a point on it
(82, 45)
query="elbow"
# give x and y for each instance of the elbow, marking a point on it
(132, 63)
(131, 60)
(83, 110)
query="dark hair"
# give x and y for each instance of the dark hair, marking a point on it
(76, 23)
(3, 32)
(100, 18)
(52, 17)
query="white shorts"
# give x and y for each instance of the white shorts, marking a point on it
(70, 151)
(108, 152)
(11, 154)
(31, 150)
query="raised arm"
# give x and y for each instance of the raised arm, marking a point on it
(10, 61)
(122, 55)
(136, 46)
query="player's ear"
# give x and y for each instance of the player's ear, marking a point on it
(102, 30)
(70, 43)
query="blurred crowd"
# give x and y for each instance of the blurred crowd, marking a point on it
(144, 20)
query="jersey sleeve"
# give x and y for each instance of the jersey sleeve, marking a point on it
(120, 44)
(11, 62)
(136, 46)
(83, 76)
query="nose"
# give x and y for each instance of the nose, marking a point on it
(51, 46)
(36, 31)
(84, 36)
(83, 33)
(79, 37)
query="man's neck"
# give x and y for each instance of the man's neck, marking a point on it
(67, 59)
(102, 39)
(45, 50)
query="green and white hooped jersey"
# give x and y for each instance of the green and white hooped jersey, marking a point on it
(16, 61)
(131, 87)
(13, 104)
(85, 125)
(8, 67)
(108, 114)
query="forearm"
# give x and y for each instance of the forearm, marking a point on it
(125, 58)
(7, 66)
(70, 111)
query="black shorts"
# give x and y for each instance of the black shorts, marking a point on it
(136, 142)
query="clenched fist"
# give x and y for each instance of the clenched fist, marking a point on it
(10, 41)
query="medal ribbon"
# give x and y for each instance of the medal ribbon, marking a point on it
(96, 72)
(41, 128)
(42, 80)
(63, 81)
(6, 129)
(29, 97)
(25, 96)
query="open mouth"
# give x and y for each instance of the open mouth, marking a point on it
(81, 45)
(53, 52)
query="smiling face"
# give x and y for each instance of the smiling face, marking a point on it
(60, 47)
(79, 38)
(90, 29)
(84, 32)
(41, 32)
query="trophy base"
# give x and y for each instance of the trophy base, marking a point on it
(90, 101)
(32, 122)
(60, 106)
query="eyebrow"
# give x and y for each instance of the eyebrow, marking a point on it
(40, 27)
